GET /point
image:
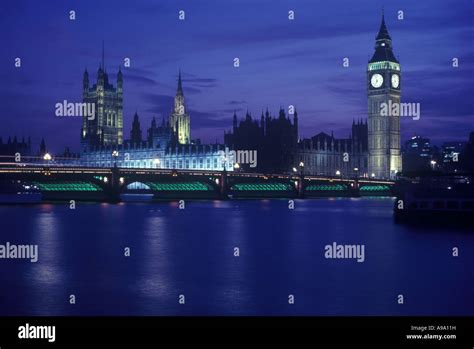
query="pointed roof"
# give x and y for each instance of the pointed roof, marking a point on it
(103, 55)
(383, 45)
(180, 85)
(383, 32)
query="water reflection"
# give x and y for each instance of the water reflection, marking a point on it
(46, 276)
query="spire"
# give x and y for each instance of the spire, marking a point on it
(136, 132)
(383, 45)
(103, 55)
(383, 32)
(180, 86)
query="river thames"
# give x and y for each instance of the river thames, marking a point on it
(240, 257)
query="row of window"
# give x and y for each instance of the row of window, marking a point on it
(175, 164)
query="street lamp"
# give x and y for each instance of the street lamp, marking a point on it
(47, 157)
(294, 169)
(433, 164)
(356, 170)
(236, 166)
(301, 167)
(115, 155)
(338, 173)
(373, 175)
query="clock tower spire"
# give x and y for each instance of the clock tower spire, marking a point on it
(383, 91)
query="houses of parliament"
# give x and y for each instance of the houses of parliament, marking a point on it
(371, 150)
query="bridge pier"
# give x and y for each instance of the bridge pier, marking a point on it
(300, 187)
(113, 189)
(223, 185)
(354, 189)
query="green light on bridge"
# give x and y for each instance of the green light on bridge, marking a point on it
(67, 186)
(184, 186)
(326, 187)
(375, 188)
(261, 187)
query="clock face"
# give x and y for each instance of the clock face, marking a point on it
(376, 80)
(395, 81)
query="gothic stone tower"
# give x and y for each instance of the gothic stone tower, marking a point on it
(179, 119)
(383, 85)
(107, 126)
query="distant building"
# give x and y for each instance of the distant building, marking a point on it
(450, 156)
(466, 157)
(273, 138)
(451, 150)
(325, 155)
(417, 155)
(9, 149)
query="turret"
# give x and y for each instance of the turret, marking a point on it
(119, 81)
(136, 132)
(295, 124)
(85, 83)
(234, 122)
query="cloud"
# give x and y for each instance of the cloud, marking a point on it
(233, 102)
(139, 79)
(209, 119)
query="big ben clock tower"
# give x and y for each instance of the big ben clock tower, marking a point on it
(383, 91)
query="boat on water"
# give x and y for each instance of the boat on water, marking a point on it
(436, 199)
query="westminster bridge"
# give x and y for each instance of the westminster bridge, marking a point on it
(110, 184)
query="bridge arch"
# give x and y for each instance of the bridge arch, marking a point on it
(137, 185)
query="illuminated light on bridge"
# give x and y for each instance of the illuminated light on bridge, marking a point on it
(326, 187)
(67, 186)
(261, 187)
(183, 186)
(374, 188)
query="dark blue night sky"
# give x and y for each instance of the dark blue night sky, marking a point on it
(282, 62)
